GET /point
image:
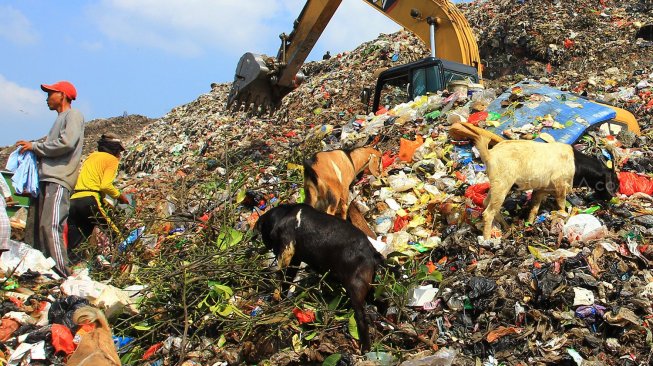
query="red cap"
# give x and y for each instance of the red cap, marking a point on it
(61, 86)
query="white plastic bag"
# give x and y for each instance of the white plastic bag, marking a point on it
(583, 227)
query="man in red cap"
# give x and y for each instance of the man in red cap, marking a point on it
(58, 158)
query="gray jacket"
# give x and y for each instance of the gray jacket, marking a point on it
(59, 155)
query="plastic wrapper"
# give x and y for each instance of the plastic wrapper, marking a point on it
(23, 258)
(583, 227)
(422, 295)
(402, 182)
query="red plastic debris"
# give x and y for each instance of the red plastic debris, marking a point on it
(631, 183)
(304, 316)
(387, 159)
(477, 193)
(477, 117)
(62, 339)
(400, 223)
(152, 350)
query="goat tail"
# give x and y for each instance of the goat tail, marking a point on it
(482, 142)
(88, 315)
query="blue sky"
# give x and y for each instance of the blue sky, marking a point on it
(144, 56)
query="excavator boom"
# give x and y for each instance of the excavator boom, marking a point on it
(261, 82)
(454, 39)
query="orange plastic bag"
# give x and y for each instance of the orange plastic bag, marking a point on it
(7, 328)
(630, 183)
(399, 224)
(62, 339)
(407, 148)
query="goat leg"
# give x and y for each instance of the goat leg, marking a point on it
(361, 322)
(357, 286)
(538, 196)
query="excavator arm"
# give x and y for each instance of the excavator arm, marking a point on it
(261, 82)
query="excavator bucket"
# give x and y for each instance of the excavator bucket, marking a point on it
(252, 89)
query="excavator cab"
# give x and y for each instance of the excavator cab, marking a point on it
(403, 83)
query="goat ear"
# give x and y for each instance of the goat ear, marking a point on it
(375, 165)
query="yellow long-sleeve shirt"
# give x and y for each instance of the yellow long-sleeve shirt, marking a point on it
(96, 177)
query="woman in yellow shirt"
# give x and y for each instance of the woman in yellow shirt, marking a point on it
(95, 181)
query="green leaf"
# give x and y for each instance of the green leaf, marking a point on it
(434, 276)
(229, 237)
(132, 356)
(224, 311)
(222, 340)
(333, 304)
(310, 336)
(353, 328)
(302, 196)
(141, 326)
(332, 360)
(241, 195)
(222, 290)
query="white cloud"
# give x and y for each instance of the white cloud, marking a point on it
(15, 27)
(23, 112)
(191, 28)
(18, 100)
(354, 23)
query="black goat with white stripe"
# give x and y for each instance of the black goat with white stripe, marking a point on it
(299, 233)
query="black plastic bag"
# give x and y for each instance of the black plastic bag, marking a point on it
(61, 311)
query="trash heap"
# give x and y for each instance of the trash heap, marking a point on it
(571, 288)
(127, 127)
(599, 49)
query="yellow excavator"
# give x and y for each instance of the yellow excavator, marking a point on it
(261, 82)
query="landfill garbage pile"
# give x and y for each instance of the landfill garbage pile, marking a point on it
(127, 127)
(596, 48)
(189, 285)
(332, 89)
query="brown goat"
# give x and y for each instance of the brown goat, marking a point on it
(328, 175)
(543, 167)
(96, 348)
